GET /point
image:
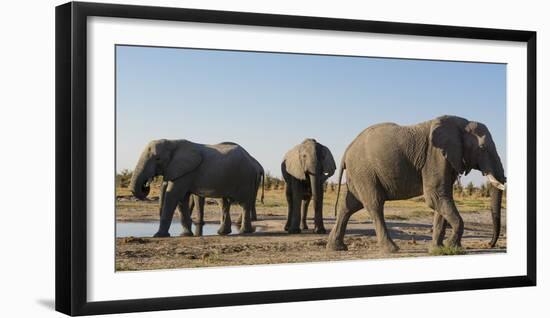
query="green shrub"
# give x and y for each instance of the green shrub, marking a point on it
(447, 250)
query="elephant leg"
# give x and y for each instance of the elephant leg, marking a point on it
(191, 204)
(170, 201)
(246, 224)
(225, 222)
(447, 209)
(376, 210)
(297, 195)
(254, 215)
(288, 195)
(305, 205)
(185, 210)
(345, 211)
(199, 202)
(439, 229)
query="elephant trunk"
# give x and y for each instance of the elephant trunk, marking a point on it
(497, 182)
(496, 200)
(316, 192)
(139, 184)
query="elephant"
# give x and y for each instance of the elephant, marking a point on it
(305, 169)
(223, 170)
(391, 162)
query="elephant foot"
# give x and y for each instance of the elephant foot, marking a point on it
(224, 230)
(198, 230)
(336, 246)
(304, 226)
(186, 233)
(294, 231)
(287, 226)
(320, 230)
(389, 247)
(162, 234)
(247, 229)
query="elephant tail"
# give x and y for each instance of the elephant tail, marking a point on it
(340, 173)
(263, 182)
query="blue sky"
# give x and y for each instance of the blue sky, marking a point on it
(269, 102)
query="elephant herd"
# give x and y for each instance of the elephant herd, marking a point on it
(384, 162)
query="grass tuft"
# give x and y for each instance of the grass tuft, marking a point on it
(447, 250)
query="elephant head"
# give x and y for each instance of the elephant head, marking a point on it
(468, 145)
(171, 159)
(311, 161)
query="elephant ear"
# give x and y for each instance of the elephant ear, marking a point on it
(329, 166)
(294, 163)
(185, 158)
(447, 136)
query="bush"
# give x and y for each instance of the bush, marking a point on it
(123, 178)
(485, 190)
(458, 190)
(273, 183)
(445, 250)
(470, 189)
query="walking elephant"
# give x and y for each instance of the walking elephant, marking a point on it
(391, 162)
(305, 169)
(218, 171)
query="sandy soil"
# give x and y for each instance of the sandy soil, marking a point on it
(409, 222)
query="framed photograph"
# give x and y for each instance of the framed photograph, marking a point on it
(214, 158)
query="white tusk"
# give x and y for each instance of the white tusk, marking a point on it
(495, 182)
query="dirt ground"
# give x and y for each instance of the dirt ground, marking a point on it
(409, 222)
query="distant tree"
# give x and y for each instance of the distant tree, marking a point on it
(277, 183)
(268, 180)
(458, 190)
(470, 188)
(123, 178)
(485, 189)
(273, 183)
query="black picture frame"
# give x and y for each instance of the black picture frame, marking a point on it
(71, 157)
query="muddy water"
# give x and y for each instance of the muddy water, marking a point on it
(148, 229)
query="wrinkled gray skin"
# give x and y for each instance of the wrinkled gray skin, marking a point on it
(391, 162)
(216, 171)
(198, 201)
(305, 169)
